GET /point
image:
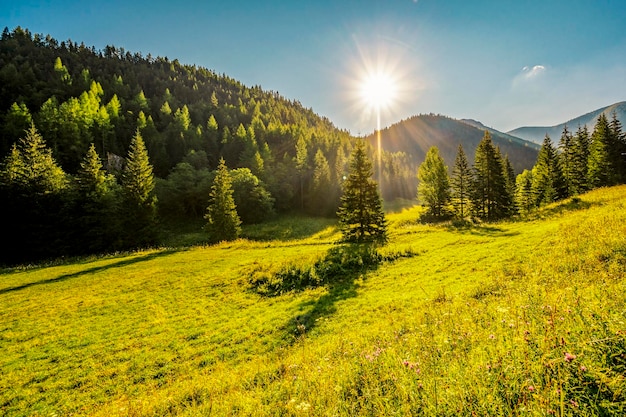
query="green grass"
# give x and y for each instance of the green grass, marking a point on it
(516, 318)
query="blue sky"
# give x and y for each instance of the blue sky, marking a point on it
(505, 63)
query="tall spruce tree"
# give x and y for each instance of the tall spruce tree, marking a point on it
(600, 167)
(578, 180)
(33, 193)
(508, 198)
(567, 158)
(96, 226)
(434, 184)
(548, 181)
(223, 222)
(361, 217)
(139, 199)
(618, 149)
(461, 183)
(489, 185)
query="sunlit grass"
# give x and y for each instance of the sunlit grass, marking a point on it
(514, 318)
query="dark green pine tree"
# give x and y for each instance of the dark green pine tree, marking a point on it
(489, 185)
(223, 222)
(96, 225)
(434, 184)
(33, 194)
(578, 180)
(600, 167)
(618, 147)
(361, 217)
(139, 199)
(508, 198)
(461, 182)
(548, 181)
(567, 160)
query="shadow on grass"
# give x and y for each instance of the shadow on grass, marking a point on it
(554, 210)
(466, 227)
(64, 277)
(288, 228)
(316, 310)
(338, 271)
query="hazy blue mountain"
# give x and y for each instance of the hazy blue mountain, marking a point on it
(537, 133)
(418, 133)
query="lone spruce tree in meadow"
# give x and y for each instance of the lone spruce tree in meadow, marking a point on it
(434, 183)
(361, 216)
(223, 222)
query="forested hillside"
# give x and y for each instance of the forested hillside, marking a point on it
(416, 135)
(76, 95)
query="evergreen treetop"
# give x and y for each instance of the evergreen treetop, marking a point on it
(361, 217)
(461, 183)
(434, 185)
(223, 222)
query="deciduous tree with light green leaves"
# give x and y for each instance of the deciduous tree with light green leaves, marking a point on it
(361, 216)
(223, 222)
(434, 184)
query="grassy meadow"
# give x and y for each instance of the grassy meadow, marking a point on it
(524, 317)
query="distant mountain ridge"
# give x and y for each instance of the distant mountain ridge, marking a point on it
(537, 133)
(417, 134)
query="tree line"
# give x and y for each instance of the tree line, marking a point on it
(64, 105)
(490, 190)
(77, 95)
(50, 213)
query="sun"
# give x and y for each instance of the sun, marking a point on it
(378, 90)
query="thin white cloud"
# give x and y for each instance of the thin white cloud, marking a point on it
(533, 72)
(530, 77)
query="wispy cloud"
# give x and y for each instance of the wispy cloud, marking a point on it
(533, 77)
(533, 72)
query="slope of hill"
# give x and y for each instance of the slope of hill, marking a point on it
(538, 133)
(76, 95)
(516, 318)
(417, 134)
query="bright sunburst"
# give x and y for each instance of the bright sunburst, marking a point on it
(378, 90)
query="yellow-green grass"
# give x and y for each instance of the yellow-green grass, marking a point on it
(514, 318)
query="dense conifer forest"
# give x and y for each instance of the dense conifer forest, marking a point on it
(101, 148)
(85, 106)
